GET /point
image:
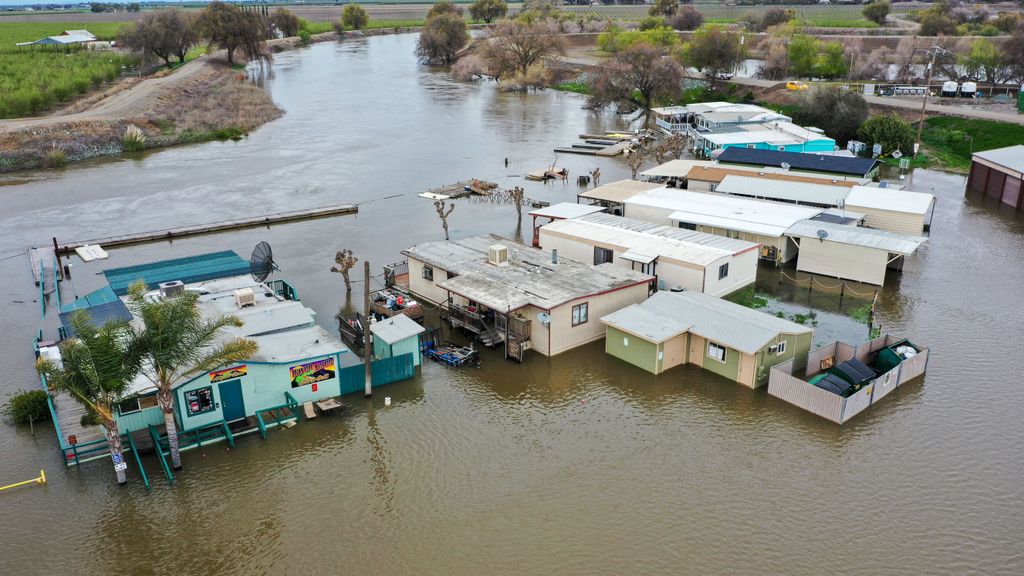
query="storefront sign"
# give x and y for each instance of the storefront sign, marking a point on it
(306, 374)
(228, 374)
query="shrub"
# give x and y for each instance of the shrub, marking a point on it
(354, 17)
(937, 25)
(836, 110)
(877, 11)
(664, 8)
(652, 22)
(488, 10)
(892, 132)
(686, 18)
(441, 38)
(134, 139)
(27, 405)
(304, 36)
(774, 17)
(55, 158)
(444, 7)
(287, 24)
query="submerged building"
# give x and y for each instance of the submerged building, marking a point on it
(999, 174)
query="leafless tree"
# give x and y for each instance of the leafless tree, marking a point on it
(636, 157)
(344, 260)
(595, 175)
(439, 205)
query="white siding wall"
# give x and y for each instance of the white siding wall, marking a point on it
(742, 272)
(573, 248)
(565, 336)
(902, 222)
(843, 261)
(427, 289)
(648, 213)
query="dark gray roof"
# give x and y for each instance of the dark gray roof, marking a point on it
(798, 161)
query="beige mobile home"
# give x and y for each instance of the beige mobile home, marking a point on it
(851, 252)
(893, 210)
(691, 260)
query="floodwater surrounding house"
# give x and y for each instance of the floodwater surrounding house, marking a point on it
(999, 174)
(850, 252)
(899, 211)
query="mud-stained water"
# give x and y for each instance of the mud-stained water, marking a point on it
(579, 464)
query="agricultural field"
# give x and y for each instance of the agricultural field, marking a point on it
(36, 78)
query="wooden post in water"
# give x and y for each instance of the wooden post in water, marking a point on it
(367, 349)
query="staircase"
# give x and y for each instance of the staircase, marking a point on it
(490, 337)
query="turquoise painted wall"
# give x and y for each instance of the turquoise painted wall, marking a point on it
(410, 345)
(140, 420)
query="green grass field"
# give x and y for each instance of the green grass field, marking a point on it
(949, 141)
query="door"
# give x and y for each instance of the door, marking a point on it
(231, 404)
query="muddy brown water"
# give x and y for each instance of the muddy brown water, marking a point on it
(578, 464)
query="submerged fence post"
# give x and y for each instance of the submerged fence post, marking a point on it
(367, 349)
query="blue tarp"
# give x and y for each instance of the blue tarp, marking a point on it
(190, 269)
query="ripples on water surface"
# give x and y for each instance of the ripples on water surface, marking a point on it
(577, 465)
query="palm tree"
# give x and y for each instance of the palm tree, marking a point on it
(177, 345)
(97, 367)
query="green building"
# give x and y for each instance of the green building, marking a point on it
(396, 336)
(673, 328)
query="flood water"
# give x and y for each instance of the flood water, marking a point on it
(578, 464)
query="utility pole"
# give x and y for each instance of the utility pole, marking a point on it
(367, 349)
(924, 101)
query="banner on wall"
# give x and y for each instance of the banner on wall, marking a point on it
(318, 371)
(228, 373)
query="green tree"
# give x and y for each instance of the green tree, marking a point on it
(933, 24)
(488, 10)
(834, 109)
(354, 17)
(442, 37)
(178, 344)
(444, 7)
(877, 11)
(285, 22)
(232, 28)
(773, 17)
(663, 8)
(162, 34)
(986, 62)
(97, 367)
(892, 132)
(639, 74)
(713, 51)
(803, 56)
(832, 63)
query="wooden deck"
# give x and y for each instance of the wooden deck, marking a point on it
(69, 418)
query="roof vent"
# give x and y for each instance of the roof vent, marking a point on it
(497, 255)
(172, 288)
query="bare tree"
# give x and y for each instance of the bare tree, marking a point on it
(439, 205)
(636, 157)
(344, 260)
(163, 33)
(639, 74)
(232, 28)
(595, 175)
(515, 47)
(518, 198)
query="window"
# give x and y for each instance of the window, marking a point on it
(602, 255)
(751, 146)
(780, 348)
(715, 351)
(688, 225)
(579, 314)
(136, 404)
(723, 270)
(199, 401)
(428, 273)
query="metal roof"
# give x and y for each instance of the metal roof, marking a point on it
(857, 236)
(799, 161)
(529, 278)
(619, 191)
(891, 200)
(104, 295)
(99, 314)
(669, 313)
(188, 270)
(274, 317)
(652, 240)
(60, 40)
(1011, 157)
(717, 173)
(775, 133)
(675, 168)
(396, 329)
(781, 190)
(724, 211)
(565, 210)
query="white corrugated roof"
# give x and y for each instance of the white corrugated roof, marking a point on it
(724, 211)
(284, 315)
(619, 191)
(799, 192)
(566, 210)
(396, 328)
(858, 236)
(887, 199)
(669, 313)
(1011, 157)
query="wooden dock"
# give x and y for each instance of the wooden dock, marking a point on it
(461, 189)
(595, 146)
(184, 231)
(42, 261)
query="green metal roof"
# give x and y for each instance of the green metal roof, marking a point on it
(102, 296)
(190, 269)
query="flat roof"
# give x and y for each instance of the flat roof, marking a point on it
(619, 191)
(565, 210)
(667, 314)
(783, 190)
(189, 269)
(396, 329)
(1011, 157)
(725, 211)
(889, 199)
(857, 236)
(645, 243)
(529, 278)
(717, 173)
(675, 168)
(799, 161)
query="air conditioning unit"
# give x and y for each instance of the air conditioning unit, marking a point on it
(245, 297)
(773, 349)
(497, 255)
(172, 288)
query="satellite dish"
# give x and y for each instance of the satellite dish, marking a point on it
(822, 234)
(544, 318)
(261, 263)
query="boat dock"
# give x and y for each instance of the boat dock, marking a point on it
(42, 261)
(184, 231)
(596, 146)
(461, 189)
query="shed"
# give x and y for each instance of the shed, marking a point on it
(850, 252)
(893, 210)
(999, 174)
(396, 336)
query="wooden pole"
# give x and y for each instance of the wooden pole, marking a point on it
(924, 101)
(367, 349)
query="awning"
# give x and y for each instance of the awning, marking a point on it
(639, 257)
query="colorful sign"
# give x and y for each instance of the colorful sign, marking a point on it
(318, 371)
(228, 374)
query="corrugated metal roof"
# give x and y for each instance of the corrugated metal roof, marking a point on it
(733, 245)
(720, 321)
(1011, 157)
(104, 295)
(396, 328)
(858, 236)
(675, 168)
(276, 317)
(565, 210)
(799, 161)
(724, 211)
(887, 199)
(189, 269)
(798, 192)
(99, 314)
(716, 173)
(619, 191)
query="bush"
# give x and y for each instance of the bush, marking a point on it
(27, 405)
(444, 7)
(774, 17)
(892, 132)
(877, 11)
(664, 8)
(441, 38)
(836, 110)
(55, 158)
(285, 22)
(937, 25)
(354, 17)
(488, 10)
(686, 18)
(134, 139)
(652, 22)
(304, 36)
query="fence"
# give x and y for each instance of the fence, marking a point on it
(386, 371)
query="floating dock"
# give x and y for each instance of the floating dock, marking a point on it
(184, 231)
(461, 189)
(596, 146)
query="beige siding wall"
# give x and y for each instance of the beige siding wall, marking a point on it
(892, 221)
(538, 331)
(427, 289)
(698, 346)
(746, 376)
(742, 272)
(565, 336)
(843, 261)
(675, 351)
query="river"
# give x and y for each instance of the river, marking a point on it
(579, 464)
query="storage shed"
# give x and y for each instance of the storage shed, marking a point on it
(999, 174)
(673, 328)
(396, 336)
(893, 210)
(850, 252)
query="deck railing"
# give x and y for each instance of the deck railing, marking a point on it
(283, 289)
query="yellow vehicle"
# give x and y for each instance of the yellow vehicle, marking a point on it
(796, 85)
